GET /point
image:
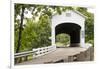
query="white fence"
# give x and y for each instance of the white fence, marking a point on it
(36, 52)
(23, 54)
(43, 51)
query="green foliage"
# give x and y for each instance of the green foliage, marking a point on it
(63, 39)
(35, 34)
(89, 25)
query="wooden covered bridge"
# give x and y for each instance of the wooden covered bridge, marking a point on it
(71, 23)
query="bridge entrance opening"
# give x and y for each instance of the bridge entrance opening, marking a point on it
(72, 29)
(62, 40)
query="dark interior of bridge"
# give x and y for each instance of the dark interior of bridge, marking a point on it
(72, 29)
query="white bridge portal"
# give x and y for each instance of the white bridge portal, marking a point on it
(70, 22)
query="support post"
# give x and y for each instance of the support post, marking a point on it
(53, 36)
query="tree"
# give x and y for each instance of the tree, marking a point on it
(20, 10)
(89, 24)
(20, 29)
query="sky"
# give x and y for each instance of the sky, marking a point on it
(92, 10)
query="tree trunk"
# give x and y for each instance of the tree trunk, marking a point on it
(19, 35)
(20, 30)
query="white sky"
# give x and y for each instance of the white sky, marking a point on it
(92, 10)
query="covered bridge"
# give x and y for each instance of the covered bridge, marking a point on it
(72, 23)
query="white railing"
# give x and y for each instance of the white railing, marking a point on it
(36, 52)
(43, 51)
(23, 54)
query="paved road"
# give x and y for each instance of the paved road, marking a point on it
(59, 54)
